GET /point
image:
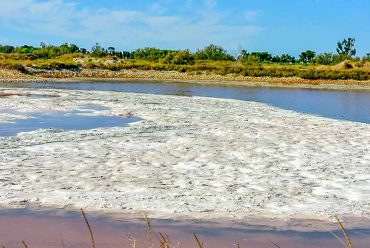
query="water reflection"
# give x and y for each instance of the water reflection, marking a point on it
(75, 120)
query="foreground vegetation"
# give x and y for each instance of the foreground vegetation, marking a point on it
(151, 238)
(212, 59)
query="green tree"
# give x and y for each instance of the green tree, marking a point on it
(62, 49)
(6, 49)
(247, 58)
(98, 51)
(346, 47)
(24, 49)
(243, 54)
(284, 58)
(150, 54)
(50, 51)
(111, 50)
(307, 56)
(263, 56)
(324, 59)
(213, 52)
(126, 55)
(83, 51)
(74, 48)
(366, 57)
(43, 45)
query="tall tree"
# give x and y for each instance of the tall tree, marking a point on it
(346, 47)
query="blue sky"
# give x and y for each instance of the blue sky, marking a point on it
(277, 26)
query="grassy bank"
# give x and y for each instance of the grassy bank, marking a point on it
(84, 66)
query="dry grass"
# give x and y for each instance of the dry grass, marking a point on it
(89, 227)
(24, 244)
(276, 245)
(347, 70)
(150, 233)
(199, 242)
(164, 240)
(348, 242)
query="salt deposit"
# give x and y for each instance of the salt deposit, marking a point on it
(195, 157)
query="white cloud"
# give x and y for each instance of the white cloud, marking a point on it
(126, 28)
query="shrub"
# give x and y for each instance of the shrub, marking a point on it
(347, 65)
(213, 52)
(98, 51)
(324, 59)
(179, 58)
(57, 66)
(366, 57)
(150, 54)
(338, 58)
(250, 60)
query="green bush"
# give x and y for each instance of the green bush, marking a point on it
(150, 54)
(324, 59)
(250, 60)
(213, 52)
(57, 66)
(179, 58)
(13, 66)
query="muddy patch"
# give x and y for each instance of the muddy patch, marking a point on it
(9, 94)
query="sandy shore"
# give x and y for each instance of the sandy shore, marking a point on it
(190, 158)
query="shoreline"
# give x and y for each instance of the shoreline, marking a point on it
(177, 77)
(70, 230)
(300, 224)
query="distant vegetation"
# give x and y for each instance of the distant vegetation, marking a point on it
(309, 65)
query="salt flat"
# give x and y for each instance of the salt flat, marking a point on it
(199, 158)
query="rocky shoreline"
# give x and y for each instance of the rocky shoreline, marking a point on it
(203, 78)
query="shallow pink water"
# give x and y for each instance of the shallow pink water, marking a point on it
(69, 230)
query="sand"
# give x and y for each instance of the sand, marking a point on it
(189, 158)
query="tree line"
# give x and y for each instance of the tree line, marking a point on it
(345, 50)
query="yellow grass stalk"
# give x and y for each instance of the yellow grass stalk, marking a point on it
(150, 232)
(24, 244)
(345, 234)
(89, 227)
(199, 242)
